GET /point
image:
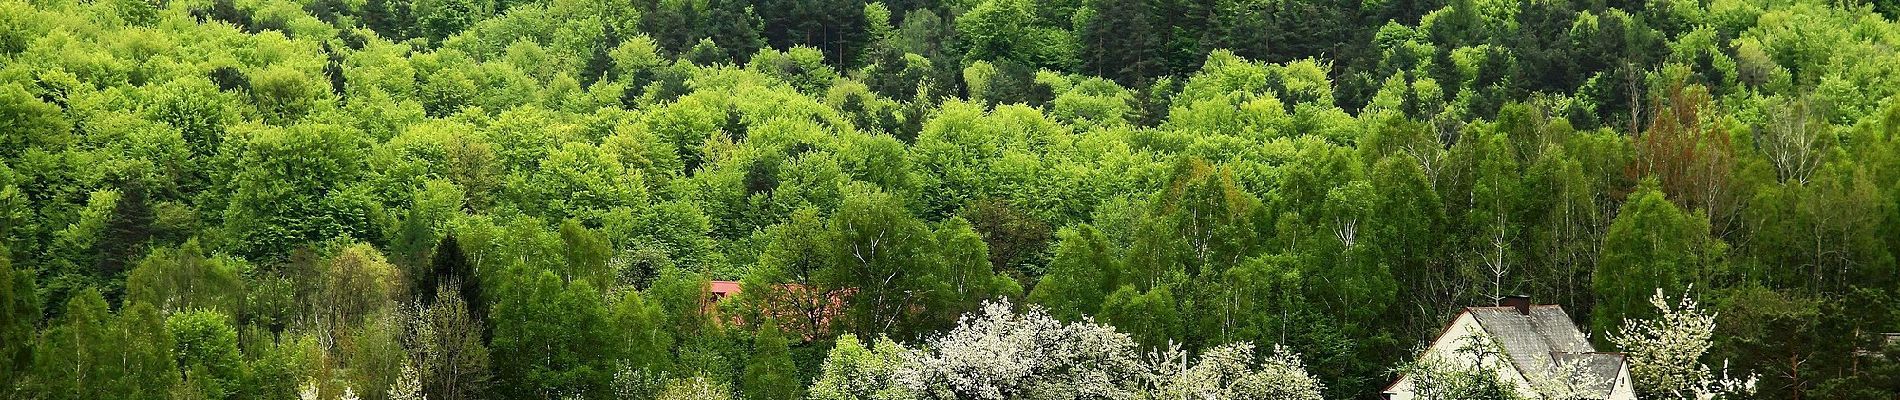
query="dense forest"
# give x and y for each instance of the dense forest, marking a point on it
(936, 199)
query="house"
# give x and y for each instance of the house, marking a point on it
(1537, 348)
(797, 308)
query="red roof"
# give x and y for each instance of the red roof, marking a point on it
(725, 288)
(790, 302)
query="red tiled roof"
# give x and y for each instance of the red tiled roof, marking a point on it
(725, 288)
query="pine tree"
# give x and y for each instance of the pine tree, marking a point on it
(736, 28)
(1118, 41)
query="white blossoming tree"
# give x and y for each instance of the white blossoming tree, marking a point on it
(408, 386)
(998, 354)
(1570, 380)
(1229, 372)
(1665, 353)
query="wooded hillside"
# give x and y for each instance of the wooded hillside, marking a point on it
(393, 199)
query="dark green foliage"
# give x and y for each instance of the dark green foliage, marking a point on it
(19, 315)
(1118, 41)
(836, 27)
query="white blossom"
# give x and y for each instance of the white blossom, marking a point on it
(408, 386)
(1229, 372)
(998, 354)
(1570, 380)
(1665, 353)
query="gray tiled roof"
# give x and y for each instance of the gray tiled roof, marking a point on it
(1546, 336)
(1602, 368)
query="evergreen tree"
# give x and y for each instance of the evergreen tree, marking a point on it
(1118, 41)
(736, 28)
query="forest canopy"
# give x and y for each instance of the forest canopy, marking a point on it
(934, 199)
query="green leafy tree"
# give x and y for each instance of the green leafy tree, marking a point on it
(355, 286)
(648, 342)
(88, 354)
(207, 351)
(450, 355)
(887, 258)
(853, 371)
(1080, 276)
(769, 374)
(291, 189)
(1652, 245)
(1009, 30)
(551, 339)
(39, 124)
(587, 253)
(20, 311)
(186, 278)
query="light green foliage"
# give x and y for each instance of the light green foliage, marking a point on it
(1652, 245)
(90, 354)
(1337, 179)
(552, 339)
(186, 278)
(888, 257)
(648, 340)
(1010, 30)
(769, 374)
(287, 176)
(1080, 276)
(695, 388)
(37, 124)
(855, 372)
(802, 67)
(207, 350)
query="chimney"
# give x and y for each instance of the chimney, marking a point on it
(1521, 302)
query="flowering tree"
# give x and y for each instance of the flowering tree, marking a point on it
(1569, 380)
(408, 386)
(1229, 372)
(998, 354)
(1435, 377)
(1665, 353)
